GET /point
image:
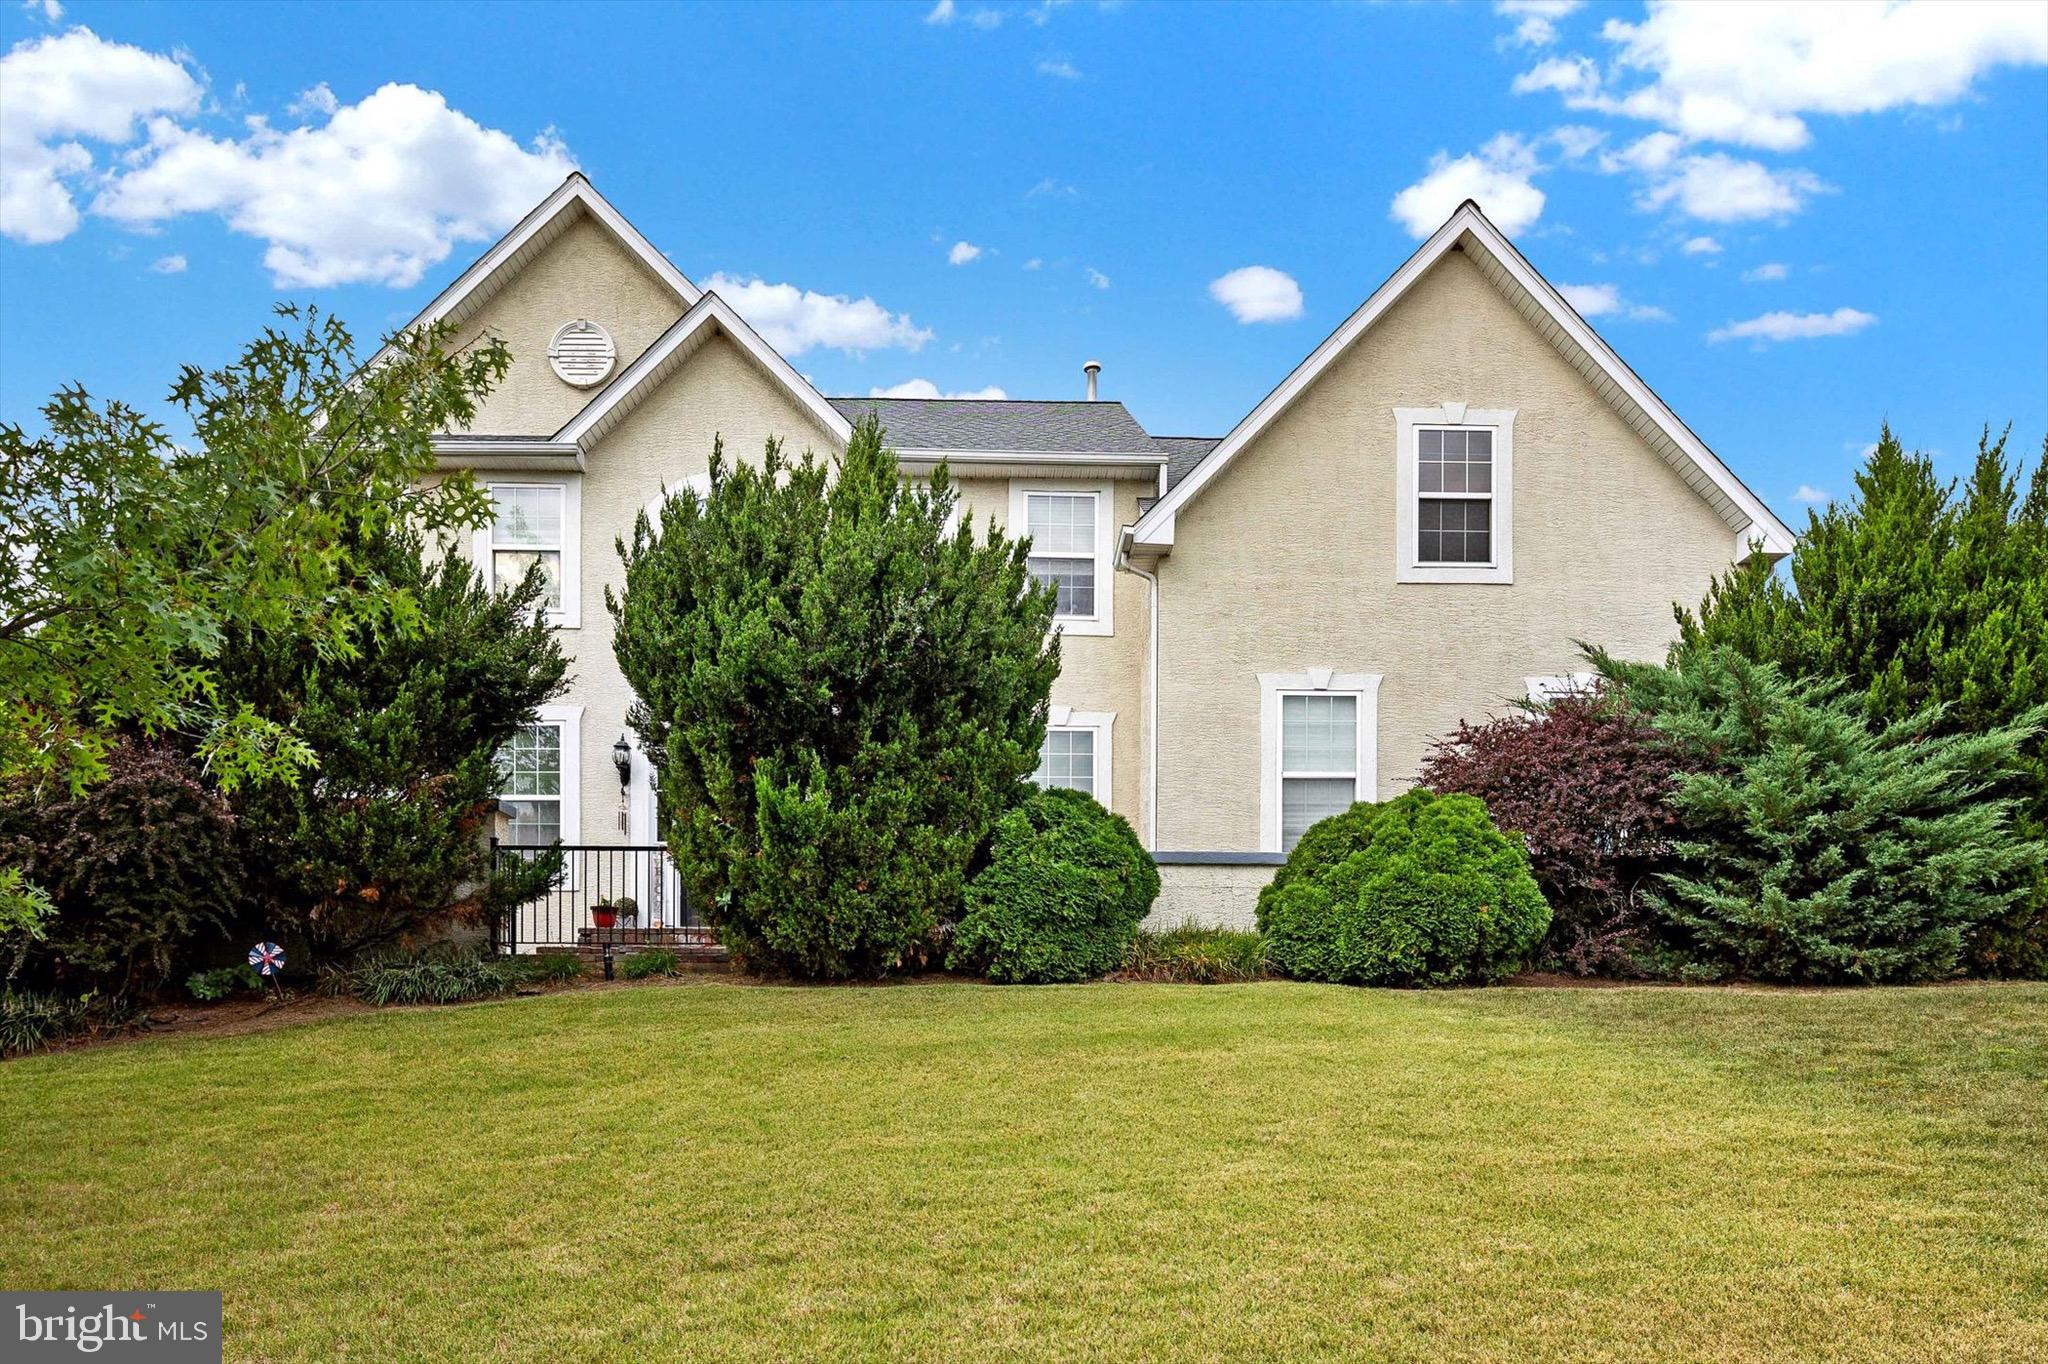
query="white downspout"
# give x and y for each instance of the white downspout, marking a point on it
(1152, 702)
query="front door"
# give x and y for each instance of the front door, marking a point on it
(662, 904)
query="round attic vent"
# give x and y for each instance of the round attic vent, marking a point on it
(582, 353)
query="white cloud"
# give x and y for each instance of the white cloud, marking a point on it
(1749, 73)
(1538, 18)
(317, 100)
(169, 265)
(795, 320)
(1049, 187)
(1650, 153)
(1576, 142)
(962, 253)
(49, 10)
(1572, 77)
(1765, 273)
(1060, 68)
(1258, 293)
(941, 13)
(1496, 177)
(380, 193)
(1718, 188)
(1701, 246)
(925, 388)
(1034, 264)
(1794, 326)
(56, 93)
(1605, 300)
(1097, 278)
(1811, 495)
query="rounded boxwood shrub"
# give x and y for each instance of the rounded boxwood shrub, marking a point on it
(1421, 890)
(1065, 888)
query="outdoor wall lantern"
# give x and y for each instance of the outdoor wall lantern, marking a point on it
(622, 759)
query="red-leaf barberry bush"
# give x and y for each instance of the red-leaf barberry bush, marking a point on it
(1584, 781)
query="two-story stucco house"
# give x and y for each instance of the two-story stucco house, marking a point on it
(1258, 628)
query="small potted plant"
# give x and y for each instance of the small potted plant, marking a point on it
(604, 914)
(628, 910)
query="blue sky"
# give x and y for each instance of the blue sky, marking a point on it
(1794, 224)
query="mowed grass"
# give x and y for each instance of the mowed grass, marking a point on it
(723, 1171)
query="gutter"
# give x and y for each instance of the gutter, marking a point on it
(1123, 561)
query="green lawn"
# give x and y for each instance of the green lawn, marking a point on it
(949, 1172)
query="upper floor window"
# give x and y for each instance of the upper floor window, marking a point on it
(1062, 530)
(535, 524)
(1453, 483)
(1071, 539)
(1454, 475)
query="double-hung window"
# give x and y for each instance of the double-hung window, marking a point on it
(535, 524)
(1454, 477)
(1076, 752)
(1071, 540)
(1318, 735)
(532, 766)
(1454, 485)
(1318, 760)
(1068, 760)
(1062, 530)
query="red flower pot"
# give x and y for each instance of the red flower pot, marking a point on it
(604, 918)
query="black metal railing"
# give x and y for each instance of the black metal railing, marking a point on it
(603, 893)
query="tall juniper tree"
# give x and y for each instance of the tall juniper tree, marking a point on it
(841, 693)
(1914, 597)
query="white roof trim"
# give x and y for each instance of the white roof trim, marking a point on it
(543, 224)
(934, 452)
(616, 399)
(1742, 509)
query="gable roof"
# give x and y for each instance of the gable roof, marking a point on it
(572, 200)
(709, 316)
(1004, 425)
(1533, 296)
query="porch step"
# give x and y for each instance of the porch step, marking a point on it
(697, 949)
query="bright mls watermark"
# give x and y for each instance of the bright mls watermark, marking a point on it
(172, 1328)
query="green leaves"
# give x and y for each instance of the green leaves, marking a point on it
(133, 557)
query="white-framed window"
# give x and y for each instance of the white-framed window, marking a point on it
(540, 779)
(1546, 689)
(1076, 752)
(1320, 750)
(1073, 536)
(536, 523)
(1454, 484)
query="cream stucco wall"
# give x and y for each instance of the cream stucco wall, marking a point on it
(1286, 562)
(1098, 673)
(585, 273)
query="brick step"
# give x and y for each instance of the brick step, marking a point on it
(695, 936)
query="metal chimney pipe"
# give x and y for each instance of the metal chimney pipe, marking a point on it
(1091, 369)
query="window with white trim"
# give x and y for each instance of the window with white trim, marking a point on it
(1318, 734)
(534, 524)
(1318, 760)
(1067, 760)
(1454, 519)
(1543, 690)
(1454, 477)
(1062, 530)
(531, 765)
(1076, 751)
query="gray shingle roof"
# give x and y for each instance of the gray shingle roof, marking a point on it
(1004, 424)
(1183, 453)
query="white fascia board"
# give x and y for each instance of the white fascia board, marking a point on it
(1155, 528)
(626, 391)
(574, 192)
(508, 454)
